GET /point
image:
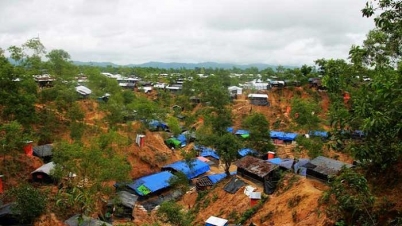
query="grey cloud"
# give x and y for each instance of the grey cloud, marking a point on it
(124, 31)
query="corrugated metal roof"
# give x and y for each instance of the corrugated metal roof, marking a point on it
(256, 166)
(326, 165)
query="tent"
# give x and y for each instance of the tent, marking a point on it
(173, 142)
(283, 135)
(322, 134)
(191, 169)
(43, 151)
(246, 151)
(157, 125)
(243, 133)
(84, 91)
(7, 216)
(234, 185)
(209, 152)
(235, 90)
(43, 173)
(86, 221)
(151, 183)
(216, 221)
(322, 167)
(123, 204)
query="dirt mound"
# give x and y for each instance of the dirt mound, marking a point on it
(294, 203)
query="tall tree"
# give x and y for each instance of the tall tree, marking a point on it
(258, 127)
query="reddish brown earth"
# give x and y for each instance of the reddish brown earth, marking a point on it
(154, 154)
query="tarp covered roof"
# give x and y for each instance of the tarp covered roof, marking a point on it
(242, 132)
(255, 166)
(245, 151)
(216, 221)
(127, 199)
(230, 130)
(87, 221)
(46, 168)
(283, 135)
(234, 185)
(198, 167)
(209, 152)
(83, 90)
(43, 150)
(215, 178)
(151, 183)
(326, 166)
(6, 209)
(323, 134)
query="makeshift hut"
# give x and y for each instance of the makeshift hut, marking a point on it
(255, 197)
(44, 152)
(323, 168)
(279, 137)
(258, 99)
(235, 90)
(151, 183)
(79, 220)
(242, 133)
(191, 169)
(43, 173)
(122, 205)
(8, 216)
(246, 151)
(205, 182)
(210, 154)
(259, 170)
(234, 185)
(316, 133)
(83, 91)
(216, 221)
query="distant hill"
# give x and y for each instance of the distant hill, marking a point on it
(177, 65)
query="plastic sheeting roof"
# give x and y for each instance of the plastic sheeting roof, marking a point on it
(151, 183)
(283, 135)
(215, 178)
(43, 150)
(87, 221)
(46, 168)
(317, 133)
(209, 152)
(198, 167)
(245, 151)
(127, 199)
(216, 221)
(242, 132)
(83, 90)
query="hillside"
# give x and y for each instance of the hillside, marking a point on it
(294, 203)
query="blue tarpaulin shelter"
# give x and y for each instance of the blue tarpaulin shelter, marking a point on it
(155, 124)
(182, 138)
(242, 132)
(275, 161)
(215, 178)
(209, 152)
(283, 136)
(323, 134)
(230, 130)
(245, 151)
(151, 183)
(197, 168)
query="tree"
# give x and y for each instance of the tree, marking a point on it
(174, 214)
(59, 63)
(258, 127)
(227, 147)
(349, 199)
(93, 166)
(30, 202)
(305, 113)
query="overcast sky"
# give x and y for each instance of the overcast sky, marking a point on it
(286, 32)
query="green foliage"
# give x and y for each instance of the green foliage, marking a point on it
(174, 125)
(180, 181)
(250, 212)
(349, 198)
(30, 202)
(260, 138)
(314, 145)
(226, 146)
(171, 212)
(305, 113)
